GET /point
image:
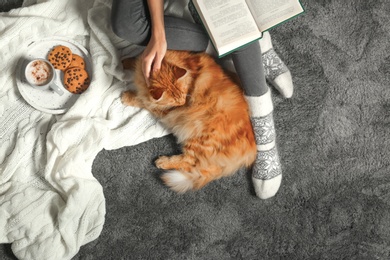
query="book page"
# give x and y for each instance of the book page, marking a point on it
(269, 13)
(228, 20)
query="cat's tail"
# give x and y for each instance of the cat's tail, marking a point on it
(178, 181)
(182, 182)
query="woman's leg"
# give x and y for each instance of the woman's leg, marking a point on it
(249, 67)
(185, 35)
(266, 172)
(130, 20)
(276, 72)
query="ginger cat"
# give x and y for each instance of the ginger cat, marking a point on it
(206, 111)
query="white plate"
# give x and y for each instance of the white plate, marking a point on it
(47, 100)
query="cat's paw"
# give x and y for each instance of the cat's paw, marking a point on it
(163, 162)
(129, 98)
(129, 63)
(177, 162)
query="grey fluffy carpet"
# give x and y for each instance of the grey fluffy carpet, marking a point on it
(334, 143)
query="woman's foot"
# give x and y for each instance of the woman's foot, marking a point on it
(276, 71)
(266, 171)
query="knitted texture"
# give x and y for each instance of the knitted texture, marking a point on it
(50, 203)
(267, 164)
(273, 65)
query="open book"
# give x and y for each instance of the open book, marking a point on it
(235, 23)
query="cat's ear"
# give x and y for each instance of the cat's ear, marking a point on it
(179, 72)
(156, 93)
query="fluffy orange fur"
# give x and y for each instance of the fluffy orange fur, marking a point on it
(206, 111)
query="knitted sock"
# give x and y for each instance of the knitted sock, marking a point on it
(276, 71)
(266, 172)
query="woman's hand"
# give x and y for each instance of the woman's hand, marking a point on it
(153, 55)
(157, 46)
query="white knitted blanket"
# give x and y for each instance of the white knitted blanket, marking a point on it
(50, 203)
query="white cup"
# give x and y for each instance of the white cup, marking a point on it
(40, 74)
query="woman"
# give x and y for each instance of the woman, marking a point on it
(144, 23)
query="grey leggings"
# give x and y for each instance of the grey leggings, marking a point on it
(130, 20)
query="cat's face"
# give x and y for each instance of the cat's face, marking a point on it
(168, 86)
